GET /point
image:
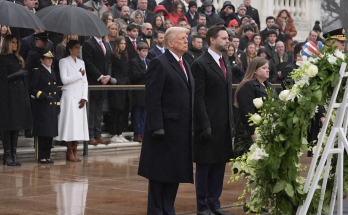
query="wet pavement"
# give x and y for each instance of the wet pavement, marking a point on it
(103, 183)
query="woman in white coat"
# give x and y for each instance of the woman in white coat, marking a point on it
(72, 124)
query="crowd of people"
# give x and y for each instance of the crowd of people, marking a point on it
(187, 57)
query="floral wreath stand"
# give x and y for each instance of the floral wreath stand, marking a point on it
(338, 132)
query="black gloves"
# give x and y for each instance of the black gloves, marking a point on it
(286, 35)
(19, 73)
(159, 134)
(49, 97)
(205, 134)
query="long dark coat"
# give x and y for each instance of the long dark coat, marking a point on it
(137, 77)
(15, 111)
(213, 108)
(120, 71)
(42, 83)
(249, 91)
(169, 105)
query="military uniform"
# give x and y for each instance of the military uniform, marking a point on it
(46, 106)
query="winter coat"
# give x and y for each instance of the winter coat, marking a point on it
(289, 28)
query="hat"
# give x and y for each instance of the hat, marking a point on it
(338, 34)
(192, 3)
(47, 54)
(242, 5)
(207, 3)
(159, 8)
(317, 26)
(42, 36)
(248, 27)
(233, 22)
(226, 4)
(275, 26)
(220, 21)
(201, 25)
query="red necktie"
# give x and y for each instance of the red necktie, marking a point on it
(101, 45)
(135, 46)
(208, 15)
(222, 66)
(182, 66)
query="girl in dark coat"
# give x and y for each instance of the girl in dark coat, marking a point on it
(252, 86)
(15, 111)
(262, 52)
(118, 98)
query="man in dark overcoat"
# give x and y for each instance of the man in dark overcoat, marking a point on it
(46, 106)
(213, 117)
(166, 153)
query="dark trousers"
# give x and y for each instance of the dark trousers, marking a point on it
(209, 182)
(161, 198)
(139, 114)
(116, 121)
(95, 117)
(9, 142)
(45, 147)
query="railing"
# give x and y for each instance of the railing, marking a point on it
(125, 87)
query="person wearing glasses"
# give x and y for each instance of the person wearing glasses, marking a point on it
(227, 12)
(146, 35)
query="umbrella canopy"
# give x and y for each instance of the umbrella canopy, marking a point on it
(15, 15)
(72, 20)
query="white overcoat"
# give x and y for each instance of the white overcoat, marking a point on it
(72, 124)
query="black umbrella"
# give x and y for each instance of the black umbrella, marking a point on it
(72, 20)
(15, 15)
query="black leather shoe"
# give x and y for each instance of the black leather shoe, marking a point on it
(206, 212)
(50, 161)
(220, 212)
(40, 161)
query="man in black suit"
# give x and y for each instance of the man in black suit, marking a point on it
(195, 51)
(97, 57)
(271, 41)
(235, 39)
(168, 126)
(270, 20)
(159, 48)
(148, 15)
(191, 14)
(146, 35)
(131, 41)
(214, 130)
(252, 12)
(281, 59)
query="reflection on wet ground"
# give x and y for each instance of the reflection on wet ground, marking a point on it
(103, 183)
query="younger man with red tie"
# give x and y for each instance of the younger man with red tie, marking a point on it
(131, 41)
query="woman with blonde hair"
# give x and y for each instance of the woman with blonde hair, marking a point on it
(61, 47)
(168, 24)
(110, 38)
(15, 111)
(4, 30)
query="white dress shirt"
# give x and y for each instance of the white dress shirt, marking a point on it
(215, 56)
(46, 67)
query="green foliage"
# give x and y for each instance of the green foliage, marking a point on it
(272, 165)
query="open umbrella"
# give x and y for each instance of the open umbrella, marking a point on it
(72, 20)
(15, 15)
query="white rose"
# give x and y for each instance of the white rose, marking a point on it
(301, 83)
(284, 94)
(256, 118)
(332, 59)
(258, 102)
(314, 148)
(339, 54)
(312, 70)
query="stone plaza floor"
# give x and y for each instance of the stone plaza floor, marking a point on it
(105, 182)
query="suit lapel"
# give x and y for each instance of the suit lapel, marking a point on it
(141, 63)
(262, 89)
(97, 45)
(48, 74)
(73, 64)
(176, 66)
(213, 65)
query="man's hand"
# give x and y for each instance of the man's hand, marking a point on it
(254, 137)
(105, 79)
(82, 103)
(252, 22)
(159, 134)
(279, 74)
(205, 134)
